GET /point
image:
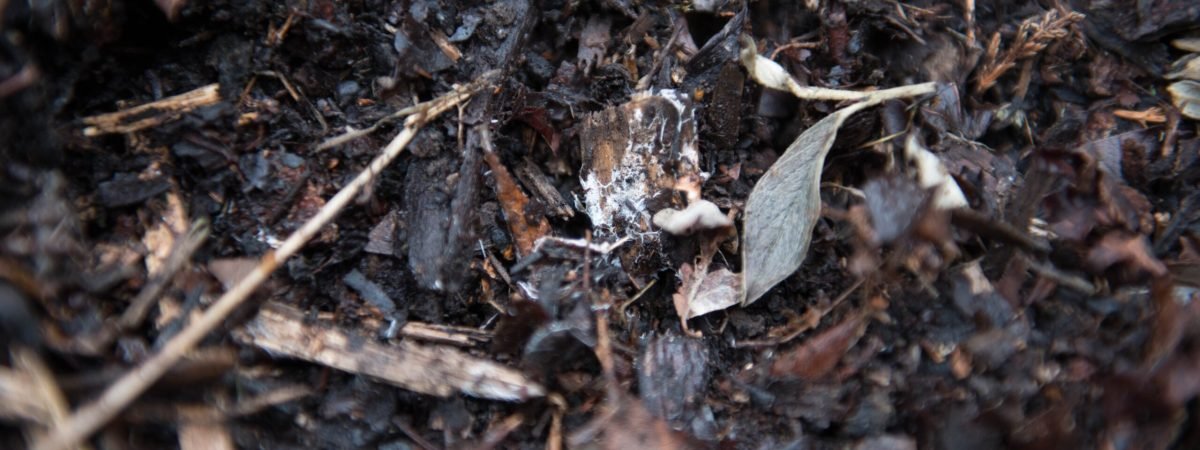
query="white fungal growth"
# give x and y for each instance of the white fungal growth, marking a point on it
(660, 147)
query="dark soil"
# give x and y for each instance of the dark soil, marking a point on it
(1058, 310)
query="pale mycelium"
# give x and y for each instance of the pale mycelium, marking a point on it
(618, 207)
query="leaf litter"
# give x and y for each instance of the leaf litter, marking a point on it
(1008, 260)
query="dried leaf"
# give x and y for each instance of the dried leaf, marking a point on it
(932, 174)
(1120, 247)
(821, 353)
(1187, 67)
(379, 241)
(784, 206)
(631, 425)
(230, 271)
(525, 230)
(718, 290)
(1186, 96)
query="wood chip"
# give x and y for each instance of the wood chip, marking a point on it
(634, 157)
(205, 436)
(533, 178)
(282, 331)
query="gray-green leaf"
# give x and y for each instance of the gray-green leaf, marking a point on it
(784, 207)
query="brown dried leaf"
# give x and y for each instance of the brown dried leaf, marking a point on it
(718, 290)
(1120, 247)
(379, 241)
(1186, 96)
(816, 357)
(631, 425)
(230, 271)
(525, 230)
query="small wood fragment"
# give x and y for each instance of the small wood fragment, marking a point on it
(152, 114)
(205, 436)
(525, 230)
(533, 178)
(446, 334)
(442, 371)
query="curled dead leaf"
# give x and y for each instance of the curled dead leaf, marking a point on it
(820, 354)
(1186, 96)
(932, 174)
(784, 206)
(701, 295)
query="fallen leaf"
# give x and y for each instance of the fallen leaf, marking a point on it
(230, 271)
(630, 425)
(1120, 247)
(817, 356)
(932, 174)
(1186, 96)
(379, 241)
(784, 206)
(525, 229)
(718, 290)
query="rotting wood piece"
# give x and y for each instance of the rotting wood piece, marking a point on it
(532, 177)
(152, 114)
(281, 330)
(634, 157)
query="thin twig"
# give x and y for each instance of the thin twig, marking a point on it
(969, 18)
(44, 388)
(90, 417)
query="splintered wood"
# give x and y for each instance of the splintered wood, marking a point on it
(281, 330)
(152, 114)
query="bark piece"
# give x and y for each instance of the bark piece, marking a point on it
(541, 188)
(282, 331)
(634, 155)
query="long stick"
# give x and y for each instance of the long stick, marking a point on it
(90, 417)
